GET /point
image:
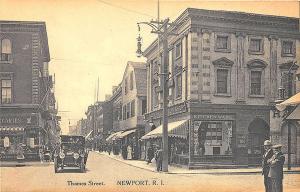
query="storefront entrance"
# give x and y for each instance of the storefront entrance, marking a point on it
(258, 132)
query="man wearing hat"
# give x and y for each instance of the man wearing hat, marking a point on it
(276, 168)
(266, 166)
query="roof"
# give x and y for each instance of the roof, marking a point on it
(140, 73)
(243, 21)
(31, 26)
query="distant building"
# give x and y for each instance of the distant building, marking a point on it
(226, 68)
(27, 101)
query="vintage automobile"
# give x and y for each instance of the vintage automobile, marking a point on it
(70, 152)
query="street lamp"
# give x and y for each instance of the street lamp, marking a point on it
(139, 52)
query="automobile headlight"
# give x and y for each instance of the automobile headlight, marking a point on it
(61, 155)
(76, 155)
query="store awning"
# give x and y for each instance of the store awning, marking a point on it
(113, 136)
(125, 133)
(89, 134)
(175, 129)
(295, 115)
(294, 100)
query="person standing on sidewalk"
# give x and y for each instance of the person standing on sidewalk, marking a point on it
(276, 169)
(150, 153)
(266, 166)
(159, 159)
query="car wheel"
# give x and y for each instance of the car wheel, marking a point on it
(82, 166)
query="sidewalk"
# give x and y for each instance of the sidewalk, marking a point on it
(23, 164)
(179, 170)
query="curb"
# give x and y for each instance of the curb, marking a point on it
(209, 173)
(25, 164)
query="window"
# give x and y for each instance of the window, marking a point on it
(128, 111)
(178, 50)
(125, 86)
(255, 87)
(132, 108)
(5, 50)
(131, 80)
(222, 78)
(287, 83)
(178, 85)
(144, 107)
(124, 112)
(214, 133)
(222, 42)
(287, 48)
(256, 45)
(6, 91)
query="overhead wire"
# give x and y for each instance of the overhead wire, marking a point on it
(126, 9)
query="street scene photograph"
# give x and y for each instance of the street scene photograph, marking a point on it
(149, 95)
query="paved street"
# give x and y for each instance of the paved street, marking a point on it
(107, 173)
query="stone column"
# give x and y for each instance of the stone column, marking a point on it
(273, 67)
(240, 98)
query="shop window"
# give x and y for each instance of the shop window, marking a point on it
(222, 81)
(178, 50)
(255, 88)
(5, 50)
(288, 48)
(6, 91)
(131, 80)
(214, 133)
(178, 86)
(256, 45)
(132, 111)
(216, 150)
(222, 42)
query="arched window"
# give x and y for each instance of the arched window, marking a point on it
(5, 50)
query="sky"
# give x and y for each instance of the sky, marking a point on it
(91, 39)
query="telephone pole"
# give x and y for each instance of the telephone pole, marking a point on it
(161, 28)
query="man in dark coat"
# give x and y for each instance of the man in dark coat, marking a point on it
(266, 166)
(159, 159)
(276, 168)
(150, 153)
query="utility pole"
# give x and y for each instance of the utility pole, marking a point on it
(161, 28)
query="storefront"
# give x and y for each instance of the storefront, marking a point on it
(21, 128)
(216, 135)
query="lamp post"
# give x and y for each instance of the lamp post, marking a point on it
(162, 30)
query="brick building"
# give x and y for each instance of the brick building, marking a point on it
(220, 105)
(27, 101)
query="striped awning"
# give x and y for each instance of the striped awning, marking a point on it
(125, 133)
(113, 136)
(175, 129)
(11, 129)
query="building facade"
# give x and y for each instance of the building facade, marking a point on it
(225, 70)
(27, 102)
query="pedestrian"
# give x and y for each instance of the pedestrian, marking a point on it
(276, 169)
(159, 159)
(129, 152)
(266, 166)
(124, 151)
(150, 153)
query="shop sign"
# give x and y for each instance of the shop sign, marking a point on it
(173, 110)
(214, 116)
(241, 141)
(18, 120)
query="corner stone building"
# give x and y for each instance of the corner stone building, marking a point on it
(27, 102)
(234, 64)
